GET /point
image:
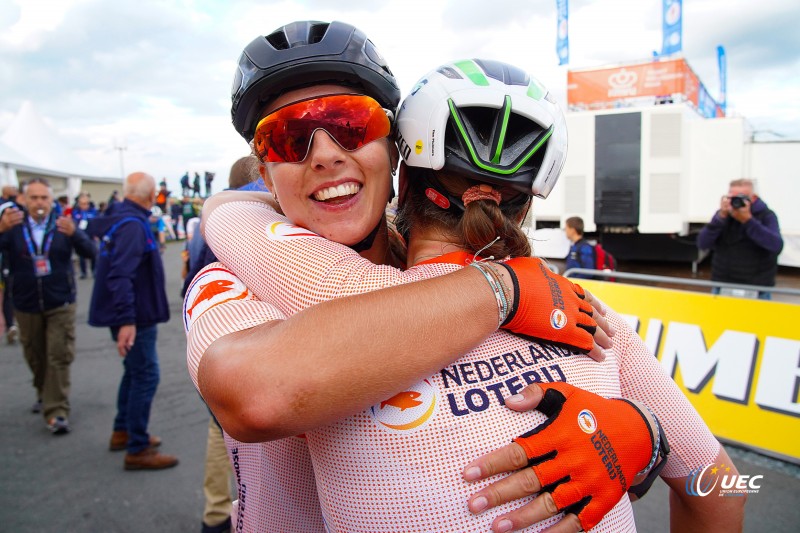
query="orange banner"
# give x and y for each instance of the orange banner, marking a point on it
(652, 79)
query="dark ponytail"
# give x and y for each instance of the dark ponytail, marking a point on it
(473, 228)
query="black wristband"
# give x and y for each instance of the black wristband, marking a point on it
(663, 451)
(513, 306)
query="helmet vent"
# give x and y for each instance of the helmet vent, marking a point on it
(482, 126)
(317, 32)
(278, 40)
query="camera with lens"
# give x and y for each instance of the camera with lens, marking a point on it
(739, 201)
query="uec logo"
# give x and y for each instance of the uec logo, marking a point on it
(702, 481)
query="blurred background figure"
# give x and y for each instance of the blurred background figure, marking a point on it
(82, 213)
(162, 196)
(208, 178)
(8, 199)
(581, 253)
(196, 186)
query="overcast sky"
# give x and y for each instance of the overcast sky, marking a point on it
(154, 76)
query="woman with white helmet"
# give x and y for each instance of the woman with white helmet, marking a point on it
(392, 466)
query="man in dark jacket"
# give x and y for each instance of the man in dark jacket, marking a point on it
(745, 237)
(130, 298)
(39, 247)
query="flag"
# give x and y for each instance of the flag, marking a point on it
(723, 78)
(562, 32)
(672, 27)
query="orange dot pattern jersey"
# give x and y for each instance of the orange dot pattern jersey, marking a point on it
(397, 466)
(275, 483)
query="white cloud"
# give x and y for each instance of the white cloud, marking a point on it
(158, 74)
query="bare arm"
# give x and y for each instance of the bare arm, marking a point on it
(691, 442)
(225, 197)
(267, 378)
(383, 342)
(294, 268)
(322, 364)
(708, 514)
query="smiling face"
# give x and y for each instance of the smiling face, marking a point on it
(338, 194)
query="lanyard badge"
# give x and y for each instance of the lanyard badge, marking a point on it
(41, 261)
(41, 265)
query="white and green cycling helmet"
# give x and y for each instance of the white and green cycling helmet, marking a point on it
(488, 121)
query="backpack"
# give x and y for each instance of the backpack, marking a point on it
(604, 260)
(107, 240)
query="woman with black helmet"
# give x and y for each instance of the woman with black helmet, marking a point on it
(341, 54)
(306, 97)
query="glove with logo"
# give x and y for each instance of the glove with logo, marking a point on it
(548, 307)
(588, 451)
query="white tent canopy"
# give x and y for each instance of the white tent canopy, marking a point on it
(41, 149)
(12, 158)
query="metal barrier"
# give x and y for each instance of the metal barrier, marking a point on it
(679, 281)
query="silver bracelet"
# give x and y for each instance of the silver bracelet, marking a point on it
(499, 293)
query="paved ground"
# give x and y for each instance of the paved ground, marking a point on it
(74, 484)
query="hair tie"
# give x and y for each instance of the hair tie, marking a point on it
(481, 192)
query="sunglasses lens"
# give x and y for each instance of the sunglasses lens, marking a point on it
(284, 136)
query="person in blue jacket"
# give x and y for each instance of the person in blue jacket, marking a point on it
(129, 297)
(84, 211)
(581, 253)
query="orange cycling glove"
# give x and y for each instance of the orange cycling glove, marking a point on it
(548, 307)
(589, 450)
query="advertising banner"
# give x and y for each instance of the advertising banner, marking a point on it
(652, 81)
(723, 78)
(737, 360)
(672, 27)
(562, 32)
(656, 78)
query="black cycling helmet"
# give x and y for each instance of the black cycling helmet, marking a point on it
(305, 53)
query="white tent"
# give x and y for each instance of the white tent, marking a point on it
(32, 147)
(11, 158)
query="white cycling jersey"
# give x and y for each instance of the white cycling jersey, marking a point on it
(397, 466)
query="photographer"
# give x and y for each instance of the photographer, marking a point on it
(745, 238)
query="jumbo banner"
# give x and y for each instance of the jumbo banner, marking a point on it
(602, 87)
(654, 78)
(737, 360)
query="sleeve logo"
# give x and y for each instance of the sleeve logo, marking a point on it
(284, 231)
(211, 287)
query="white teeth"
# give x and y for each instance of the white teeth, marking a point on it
(345, 189)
